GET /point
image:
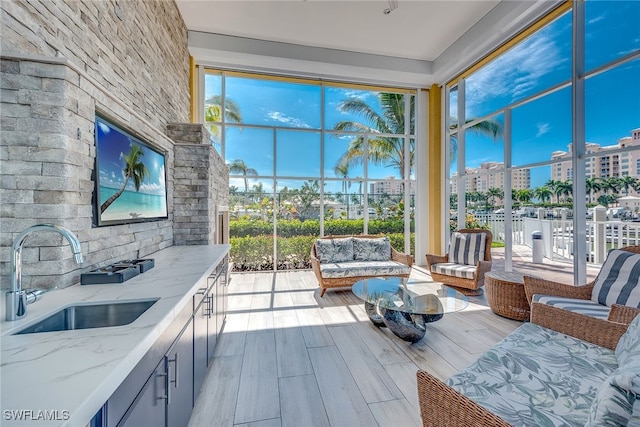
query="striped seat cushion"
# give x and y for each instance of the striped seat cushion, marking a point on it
(619, 280)
(582, 306)
(466, 248)
(456, 270)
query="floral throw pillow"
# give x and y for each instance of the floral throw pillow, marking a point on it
(628, 347)
(617, 401)
(334, 250)
(365, 249)
(343, 249)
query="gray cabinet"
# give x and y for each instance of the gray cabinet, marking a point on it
(179, 368)
(201, 316)
(162, 389)
(166, 399)
(221, 296)
(149, 408)
(213, 315)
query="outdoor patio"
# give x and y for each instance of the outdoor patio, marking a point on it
(290, 358)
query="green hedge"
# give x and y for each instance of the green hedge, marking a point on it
(289, 228)
(255, 253)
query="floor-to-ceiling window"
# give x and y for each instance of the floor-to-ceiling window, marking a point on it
(529, 132)
(309, 158)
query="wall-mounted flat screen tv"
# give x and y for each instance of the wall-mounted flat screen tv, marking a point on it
(130, 177)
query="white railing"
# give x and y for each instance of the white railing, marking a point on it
(557, 235)
(496, 226)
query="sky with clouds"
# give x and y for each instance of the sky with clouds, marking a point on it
(612, 106)
(612, 98)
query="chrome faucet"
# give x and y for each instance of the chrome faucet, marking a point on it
(17, 298)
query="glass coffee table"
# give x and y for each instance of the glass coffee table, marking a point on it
(405, 306)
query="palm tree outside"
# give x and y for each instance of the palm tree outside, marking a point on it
(239, 167)
(524, 195)
(593, 184)
(134, 169)
(494, 193)
(552, 184)
(342, 170)
(213, 113)
(627, 182)
(490, 128)
(543, 194)
(612, 184)
(382, 150)
(564, 189)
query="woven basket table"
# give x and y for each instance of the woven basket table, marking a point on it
(505, 294)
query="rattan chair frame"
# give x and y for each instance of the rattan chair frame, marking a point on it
(482, 267)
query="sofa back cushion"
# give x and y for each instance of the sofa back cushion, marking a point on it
(371, 249)
(619, 280)
(628, 347)
(334, 250)
(467, 248)
(618, 399)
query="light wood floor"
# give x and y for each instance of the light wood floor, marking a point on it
(290, 358)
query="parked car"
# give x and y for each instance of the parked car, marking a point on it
(616, 212)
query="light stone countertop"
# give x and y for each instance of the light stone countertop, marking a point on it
(78, 370)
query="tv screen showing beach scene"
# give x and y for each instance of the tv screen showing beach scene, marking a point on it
(130, 177)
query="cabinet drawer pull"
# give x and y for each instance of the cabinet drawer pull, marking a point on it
(174, 381)
(166, 396)
(209, 306)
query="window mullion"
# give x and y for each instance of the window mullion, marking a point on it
(579, 146)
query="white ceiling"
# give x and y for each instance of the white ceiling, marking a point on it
(416, 29)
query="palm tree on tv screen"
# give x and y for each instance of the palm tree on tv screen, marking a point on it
(134, 169)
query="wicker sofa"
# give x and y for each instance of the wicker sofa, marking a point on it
(340, 261)
(562, 368)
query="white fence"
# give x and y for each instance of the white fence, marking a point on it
(557, 235)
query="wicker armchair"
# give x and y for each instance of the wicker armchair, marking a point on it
(441, 405)
(535, 285)
(466, 286)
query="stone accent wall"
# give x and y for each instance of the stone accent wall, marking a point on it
(201, 180)
(61, 63)
(136, 50)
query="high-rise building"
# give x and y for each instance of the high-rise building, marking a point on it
(491, 175)
(606, 164)
(390, 187)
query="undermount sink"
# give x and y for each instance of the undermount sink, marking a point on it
(89, 316)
